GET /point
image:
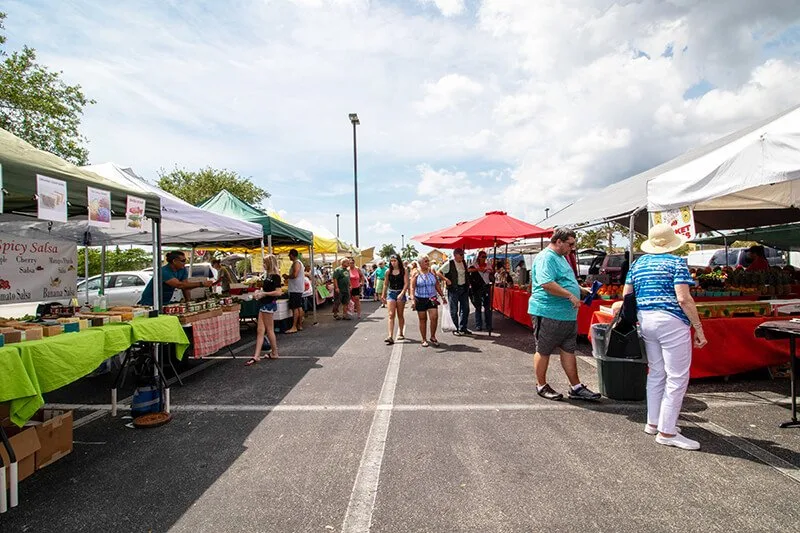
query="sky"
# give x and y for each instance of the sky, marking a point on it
(466, 106)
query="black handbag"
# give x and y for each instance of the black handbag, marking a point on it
(624, 341)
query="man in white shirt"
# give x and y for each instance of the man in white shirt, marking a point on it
(454, 274)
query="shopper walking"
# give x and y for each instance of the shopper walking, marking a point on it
(480, 283)
(553, 307)
(454, 274)
(356, 281)
(380, 279)
(295, 278)
(268, 303)
(425, 289)
(666, 311)
(341, 289)
(393, 296)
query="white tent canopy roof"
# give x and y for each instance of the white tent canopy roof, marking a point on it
(619, 200)
(182, 223)
(761, 176)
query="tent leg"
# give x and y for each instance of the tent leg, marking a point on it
(313, 287)
(492, 283)
(86, 271)
(632, 236)
(191, 262)
(103, 268)
(269, 243)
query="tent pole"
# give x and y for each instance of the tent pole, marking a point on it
(269, 243)
(86, 271)
(191, 262)
(492, 282)
(313, 286)
(505, 259)
(103, 269)
(632, 235)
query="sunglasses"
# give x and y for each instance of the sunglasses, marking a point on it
(180, 260)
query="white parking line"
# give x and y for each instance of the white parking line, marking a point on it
(358, 517)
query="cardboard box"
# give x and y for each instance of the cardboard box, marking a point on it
(54, 431)
(25, 442)
(32, 333)
(14, 335)
(52, 331)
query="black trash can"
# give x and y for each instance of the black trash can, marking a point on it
(620, 379)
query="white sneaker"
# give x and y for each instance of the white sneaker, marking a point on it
(650, 430)
(679, 441)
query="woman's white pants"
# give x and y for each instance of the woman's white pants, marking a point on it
(668, 341)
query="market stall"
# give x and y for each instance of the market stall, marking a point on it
(732, 348)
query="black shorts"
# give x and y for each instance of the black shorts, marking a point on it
(295, 300)
(552, 335)
(355, 293)
(421, 305)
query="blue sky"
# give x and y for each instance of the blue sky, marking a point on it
(465, 107)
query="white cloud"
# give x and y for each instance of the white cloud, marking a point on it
(447, 93)
(413, 210)
(448, 8)
(445, 184)
(381, 228)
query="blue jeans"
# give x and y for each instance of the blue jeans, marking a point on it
(459, 306)
(483, 301)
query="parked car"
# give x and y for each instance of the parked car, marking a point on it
(585, 260)
(121, 288)
(700, 258)
(738, 257)
(607, 268)
(199, 270)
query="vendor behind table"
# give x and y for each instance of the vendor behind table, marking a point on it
(173, 276)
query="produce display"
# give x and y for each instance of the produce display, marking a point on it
(736, 282)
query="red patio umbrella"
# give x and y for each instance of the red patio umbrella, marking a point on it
(434, 239)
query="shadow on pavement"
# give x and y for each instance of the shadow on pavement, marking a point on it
(124, 479)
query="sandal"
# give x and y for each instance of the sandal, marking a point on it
(425, 344)
(388, 340)
(252, 361)
(435, 342)
(273, 355)
(401, 337)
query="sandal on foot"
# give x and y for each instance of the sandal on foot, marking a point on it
(425, 344)
(388, 340)
(252, 361)
(435, 342)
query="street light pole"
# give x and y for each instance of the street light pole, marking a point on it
(546, 212)
(354, 120)
(337, 226)
(336, 254)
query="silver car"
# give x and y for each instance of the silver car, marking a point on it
(122, 288)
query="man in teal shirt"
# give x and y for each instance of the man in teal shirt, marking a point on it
(380, 278)
(553, 306)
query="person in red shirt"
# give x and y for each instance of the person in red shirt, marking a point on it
(758, 261)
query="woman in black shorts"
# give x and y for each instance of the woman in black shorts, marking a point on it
(426, 290)
(394, 297)
(268, 304)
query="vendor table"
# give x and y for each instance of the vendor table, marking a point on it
(213, 334)
(249, 309)
(731, 348)
(30, 369)
(782, 329)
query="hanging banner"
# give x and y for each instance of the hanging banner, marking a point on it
(134, 212)
(681, 220)
(37, 269)
(99, 207)
(52, 194)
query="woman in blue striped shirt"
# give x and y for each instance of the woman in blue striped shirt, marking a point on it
(425, 290)
(667, 312)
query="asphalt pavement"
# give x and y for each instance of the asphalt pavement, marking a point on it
(344, 433)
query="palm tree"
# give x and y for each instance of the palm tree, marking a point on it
(409, 253)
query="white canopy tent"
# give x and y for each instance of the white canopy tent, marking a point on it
(622, 201)
(182, 223)
(761, 177)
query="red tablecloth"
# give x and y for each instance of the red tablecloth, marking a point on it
(513, 303)
(732, 347)
(212, 334)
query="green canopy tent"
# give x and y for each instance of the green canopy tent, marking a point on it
(783, 236)
(276, 231)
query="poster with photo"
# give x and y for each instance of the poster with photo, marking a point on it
(52, 194)
(99, 207)
(134, 212)
(681, 220)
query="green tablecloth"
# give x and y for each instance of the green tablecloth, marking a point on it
(163, 328)
(16, 384)
(30, 369)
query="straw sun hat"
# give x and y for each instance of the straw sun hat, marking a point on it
(662, 239)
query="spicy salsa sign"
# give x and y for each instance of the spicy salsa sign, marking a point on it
(37, 269)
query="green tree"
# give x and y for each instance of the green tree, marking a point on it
(386, 251)
(196, 187)
(409, 253)
(591, 239)
(37, 106)
(116, 260)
